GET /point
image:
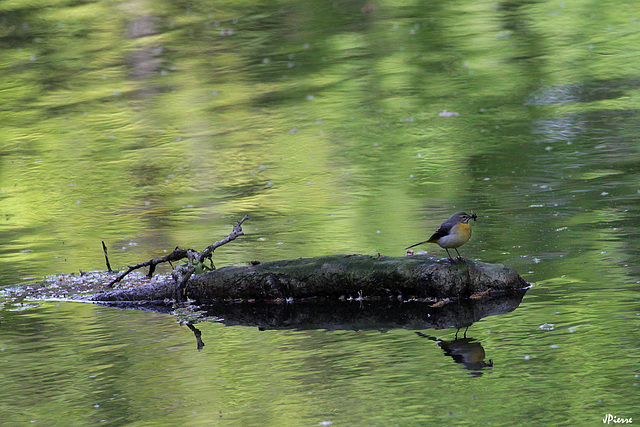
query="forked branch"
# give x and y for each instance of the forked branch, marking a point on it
(237, 232)
(179, 254)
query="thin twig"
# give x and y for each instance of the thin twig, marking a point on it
(106, 257)
(237, 232)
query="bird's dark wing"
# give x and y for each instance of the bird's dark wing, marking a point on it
(442, 231)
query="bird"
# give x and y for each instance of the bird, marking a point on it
(453, 233)
(466, 351)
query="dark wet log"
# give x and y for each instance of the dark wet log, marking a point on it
(338, 276)
(353, 276)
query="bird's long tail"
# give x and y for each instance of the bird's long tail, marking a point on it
(426, 241)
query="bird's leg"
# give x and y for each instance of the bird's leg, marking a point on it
(465, 332)
(448, 254)
(459, 256)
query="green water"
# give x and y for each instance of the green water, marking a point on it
(338, 127)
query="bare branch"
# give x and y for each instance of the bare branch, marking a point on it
(237, 232)
(179, 254)
(176, 255)
(182, 273)
(106, 257)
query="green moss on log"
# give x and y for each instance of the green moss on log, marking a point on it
(353, 275)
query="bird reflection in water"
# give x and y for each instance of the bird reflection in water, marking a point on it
(466, 351)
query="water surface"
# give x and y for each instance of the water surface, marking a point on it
(338, 127)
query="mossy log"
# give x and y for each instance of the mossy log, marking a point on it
(337, 276)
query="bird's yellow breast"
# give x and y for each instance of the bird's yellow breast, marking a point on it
(463, 230)
(458, 236)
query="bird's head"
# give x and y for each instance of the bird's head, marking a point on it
(465, 217)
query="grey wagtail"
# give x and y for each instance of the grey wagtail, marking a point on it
(453, 233)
